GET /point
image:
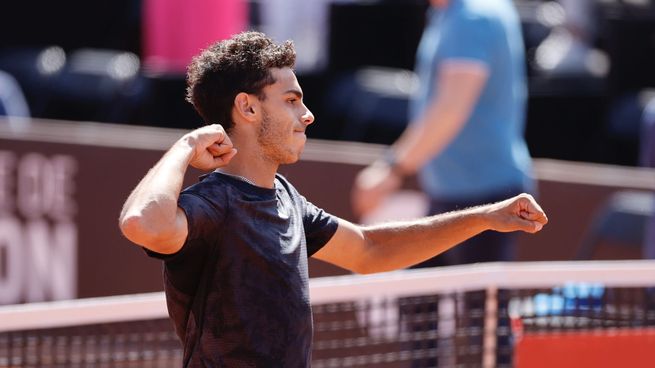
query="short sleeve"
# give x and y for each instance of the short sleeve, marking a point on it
(183, 269)
(468, 37)
(204, 219)
(319, 225)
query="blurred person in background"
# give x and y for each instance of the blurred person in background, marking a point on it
(465, 137)
(647, 159)
(235, 245)
(304, 22)
(568, 49)
(12, 101)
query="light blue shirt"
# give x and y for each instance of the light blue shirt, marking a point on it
(489, 155)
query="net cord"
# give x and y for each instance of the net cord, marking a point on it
(505, 275)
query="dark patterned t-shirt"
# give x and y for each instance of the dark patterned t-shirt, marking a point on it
(237, 291)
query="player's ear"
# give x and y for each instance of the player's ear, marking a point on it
(247, 106)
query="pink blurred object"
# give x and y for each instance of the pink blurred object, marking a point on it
(176, 30)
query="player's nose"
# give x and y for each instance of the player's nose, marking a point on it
(307, 117)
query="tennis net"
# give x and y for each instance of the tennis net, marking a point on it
(483, 315)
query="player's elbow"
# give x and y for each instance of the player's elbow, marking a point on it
(142, 232)
(372, 266)
(135, 230)
(160, 238)
(364, 270)
(367, 260)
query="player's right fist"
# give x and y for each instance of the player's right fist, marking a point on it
(211, 146)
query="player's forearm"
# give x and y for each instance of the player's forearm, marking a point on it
(403, 244)
(151, 208)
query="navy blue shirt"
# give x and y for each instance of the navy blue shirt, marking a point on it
(237, 291)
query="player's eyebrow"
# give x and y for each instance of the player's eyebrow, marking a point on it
(295, 92)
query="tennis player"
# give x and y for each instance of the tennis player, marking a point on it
(235, 244)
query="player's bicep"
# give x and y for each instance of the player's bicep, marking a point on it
(180, 232)
(171, 241)
(347, 248)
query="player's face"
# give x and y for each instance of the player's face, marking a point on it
(284, 118)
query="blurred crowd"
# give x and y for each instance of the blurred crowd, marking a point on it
(589, 65)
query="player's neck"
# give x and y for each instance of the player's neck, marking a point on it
(250, 162)
(251, 167)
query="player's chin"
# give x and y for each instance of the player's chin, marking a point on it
(292, 159)
(294, 156)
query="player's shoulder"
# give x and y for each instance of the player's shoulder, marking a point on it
(210, 187)
(472, 18)
(206, 182)
(282, 182)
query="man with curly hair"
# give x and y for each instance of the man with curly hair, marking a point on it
(235, 245)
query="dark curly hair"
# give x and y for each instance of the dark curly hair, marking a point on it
(239, 64)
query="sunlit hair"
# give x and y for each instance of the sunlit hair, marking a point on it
(239, 64)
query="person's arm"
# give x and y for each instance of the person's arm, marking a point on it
(150, 216)
(459, 85)
(398, 245)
